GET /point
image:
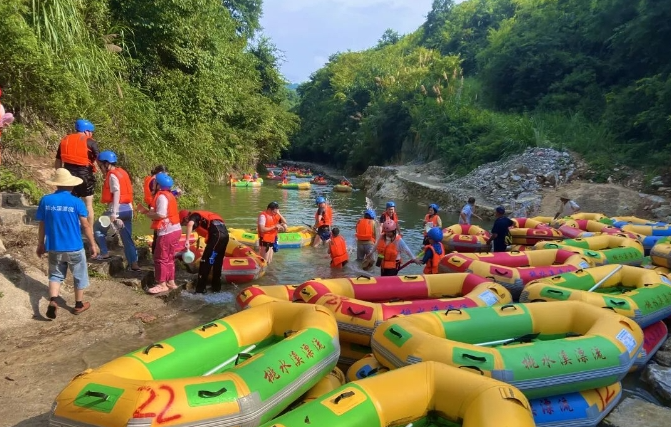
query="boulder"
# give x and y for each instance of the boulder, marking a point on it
(633, 412)
(658, 379)
(107, 268)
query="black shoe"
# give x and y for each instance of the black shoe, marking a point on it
(51, 311)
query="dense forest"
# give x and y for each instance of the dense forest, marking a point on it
(485, 78)
(188, 83)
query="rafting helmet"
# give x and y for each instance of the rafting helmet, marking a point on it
(389, 225)
(434, 207)
(83, 125)
(273, 205)
(164, 180)
(183, 216)
(107, 156)
(435, 234)
(370, 213)
(391, 205)
(319, 200)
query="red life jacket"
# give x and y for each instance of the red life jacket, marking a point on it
(364, 230)
(75, 149)
(389, 251)
(327, 217)
(268, 236)
(431, 266)
(148, 195)
(338, 251)
(173, 210)
(204, 224)
(125, 187)
(433, 219)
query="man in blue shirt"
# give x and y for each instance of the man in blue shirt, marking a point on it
(468, 211)
(62, 216)
(500, 230)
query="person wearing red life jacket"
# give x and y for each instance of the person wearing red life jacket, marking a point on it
(323, 221)
(431, 220)
(211, 227)
(433, 252)
(117, 194)
(389, 213)
(165, 219)
(390, 248)
(367, 233)
(269, 224)
(338, 249)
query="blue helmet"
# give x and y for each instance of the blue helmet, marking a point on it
(164, 180)
(83, 125)
(370, 213)
(391, 205)
(434, 207)
(435, 234)
(107, 156)
(319, 200)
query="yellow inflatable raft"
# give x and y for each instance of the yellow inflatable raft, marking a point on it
(414, 395)
(257, 295)
(243, 369)
(602, 249)
(294, 237)
(543, 349)
(660, 254)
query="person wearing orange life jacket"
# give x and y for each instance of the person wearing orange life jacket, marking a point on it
(389, 249)
(367, 233)
(117, 193)
(433, 252)
(149, 187)
(269, 223)
(164, 217)
(338, 249)
(390, 213)
(211, 227)
(431, 219)
(78, 153)
(323, 221)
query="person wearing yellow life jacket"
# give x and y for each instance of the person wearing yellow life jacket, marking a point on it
(211, 227)
(433, 252)
(78, 153)
(117, 193)
(269, 223)
(164, 217)
(390, 247)
(338, 249)
(323, 221)
(390, 213)
(431, 219)
(367, 233)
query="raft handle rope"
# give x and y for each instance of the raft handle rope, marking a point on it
(98, 394)
(206, 394)
(451, 309)
(364, 276)
(209, 325)
(501, 273)
(508, 306)
(618, 303)
(305, 292)
(393, 332)
(476, 358)
(356, 313)
(609, 308)
(242, 355)
(342, 396)
(410, 277)
(538, 300)
(475, 368)
(554, 291)
(150, 346)
(230, 360)
(289, 333)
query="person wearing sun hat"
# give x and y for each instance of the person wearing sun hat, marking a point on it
(567, 207)
(61, 218)
(500, 230)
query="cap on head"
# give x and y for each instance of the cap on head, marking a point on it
(164, 180)
(564, 196)
(273, 205)
(500, 210)
(370, 213)
(319, 200)
(435, 234)
(434, 207)
(107, 156)
(391, 205)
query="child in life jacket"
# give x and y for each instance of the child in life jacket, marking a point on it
(389, 249)
(338, 249)
(433, 252)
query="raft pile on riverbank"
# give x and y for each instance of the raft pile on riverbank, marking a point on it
(571, 322)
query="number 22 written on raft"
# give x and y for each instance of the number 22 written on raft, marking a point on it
(160, 418)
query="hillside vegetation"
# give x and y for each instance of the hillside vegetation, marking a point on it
(178, 82)
(485, 78)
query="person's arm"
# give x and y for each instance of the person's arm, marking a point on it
(40, 240)
(404, 249)
(88, 232)
(58, 163)
(263, 227)
(115, 189)
(160, 211)
(440, 222)
(575, 207)
(462, 216)
(189, 230)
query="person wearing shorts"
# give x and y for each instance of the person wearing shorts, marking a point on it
(61, 215)
(268, 224)
(78, 153)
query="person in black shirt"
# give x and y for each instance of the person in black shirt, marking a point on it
(500, 230)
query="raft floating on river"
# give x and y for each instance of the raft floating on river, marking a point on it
(294, 186)
(294, 237)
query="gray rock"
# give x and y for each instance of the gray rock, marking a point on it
(662, 211)
(516, 178)
(14, 200)
(658, 379)
(663, 358)
(107, 268)
(3, 249)
(632, 412)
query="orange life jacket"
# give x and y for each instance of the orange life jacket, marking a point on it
(173, 210)
(327, 217)
(75, 150)
(148, 195)
(268, 236)
(389, 251)
(338, 251)
(433, 219)
(431, 266)
(125, 187)
(393, 217)
(204, 224)
(364, 230)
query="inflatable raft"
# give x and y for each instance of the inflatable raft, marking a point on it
(602, 249)
(466, 238)
(444, 396)
(543, 349)
(246, 183)
(342, 188)
(256, 295)
(640, 294)
(243, 369)
(294, 237)
(514, 269)
(654, 336)
(294, 186)
(241, 263)
(660, 253)
(316, 181)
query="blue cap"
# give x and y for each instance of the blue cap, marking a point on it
(501, 210)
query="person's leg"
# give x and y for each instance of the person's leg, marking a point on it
(173, 243)
(153, 242)
(205, 266)
(220, 249)
(129, 249)
(88, 201)
(57, 272)
(100, 236)
(160, 264)
(360, 251)
(80, 274)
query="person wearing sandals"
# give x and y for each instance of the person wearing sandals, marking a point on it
(117, 193)
(61, 218)
(165, 220)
